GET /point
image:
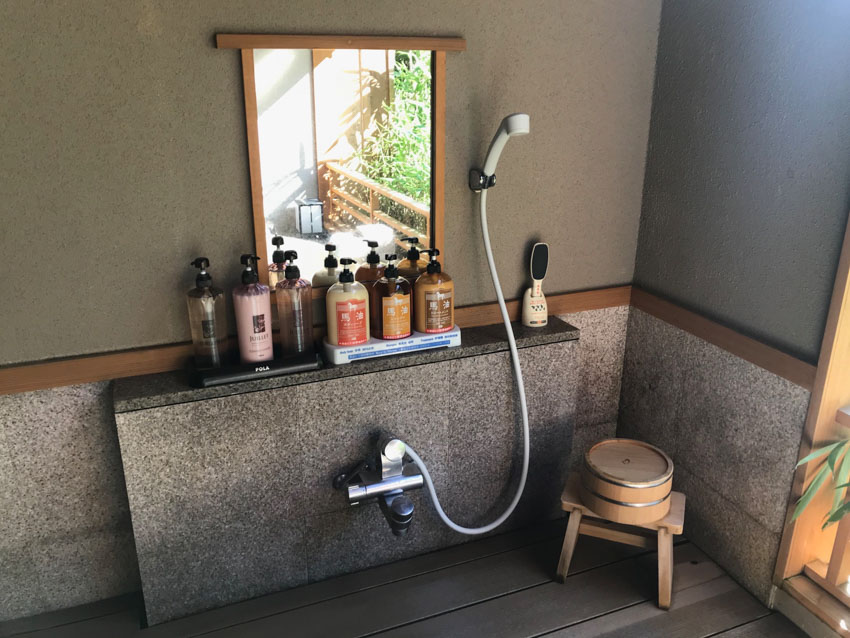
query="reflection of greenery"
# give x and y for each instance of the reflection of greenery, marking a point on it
(402, 214)
(398, 154)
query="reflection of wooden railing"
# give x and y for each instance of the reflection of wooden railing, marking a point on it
(834, 576)
(370, 212)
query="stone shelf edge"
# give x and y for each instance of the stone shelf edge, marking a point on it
(171, 388)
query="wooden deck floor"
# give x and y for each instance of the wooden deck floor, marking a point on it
(500, 586)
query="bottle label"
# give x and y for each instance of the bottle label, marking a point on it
(439, 315)
(396, 317)
(351, 322)
(259, 324)
(208, 328)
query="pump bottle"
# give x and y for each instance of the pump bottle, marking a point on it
(412, 265)
(347, 308)
(390, 304)
(276, 268)
(294, 309)
(373, 269)
(207, 319)
(434, 298)
(321, 281)
(253, 315)
(328, 276)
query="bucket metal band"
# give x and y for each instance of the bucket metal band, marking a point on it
(637, 486)
(615, 502)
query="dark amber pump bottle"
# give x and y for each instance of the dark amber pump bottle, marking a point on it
(435, 304)
(391, 307)
(412, 265)
(373, 269)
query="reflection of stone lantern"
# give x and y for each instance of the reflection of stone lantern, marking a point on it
(308, 219)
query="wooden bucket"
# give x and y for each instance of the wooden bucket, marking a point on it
(627, 481)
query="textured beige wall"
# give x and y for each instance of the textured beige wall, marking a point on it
(122, 150)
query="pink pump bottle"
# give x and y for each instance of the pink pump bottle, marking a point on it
(253, 309)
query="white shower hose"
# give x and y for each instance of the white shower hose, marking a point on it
(520, 387)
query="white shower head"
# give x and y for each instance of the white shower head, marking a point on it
(516, 124)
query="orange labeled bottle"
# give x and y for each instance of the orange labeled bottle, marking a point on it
(391, 307)
(347, 306)
(434, 303)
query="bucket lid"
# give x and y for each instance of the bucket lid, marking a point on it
(629, 463)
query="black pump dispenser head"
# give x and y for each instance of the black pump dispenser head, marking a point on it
(278, 255)
(204, 279)
(413, 251)
(249, 275)
(433, 265)
(372, 257)
(391, 271)
(292, 271)
(330, 260)
(346, 276)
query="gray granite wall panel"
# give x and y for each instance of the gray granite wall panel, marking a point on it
(601, 347)
(65, 536)
(231, 497)
(733, 430)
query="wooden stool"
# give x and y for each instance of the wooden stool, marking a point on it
(636, 535)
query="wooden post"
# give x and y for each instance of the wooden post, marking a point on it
(803, 540)
(374, 205)
(665, 567)
(839, 560)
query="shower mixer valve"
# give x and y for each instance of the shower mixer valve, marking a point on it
(385, 479)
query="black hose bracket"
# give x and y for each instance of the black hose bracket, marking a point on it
(478, 181)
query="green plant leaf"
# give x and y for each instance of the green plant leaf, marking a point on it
(837, 515)
(832, 459)
(819, 452)
(841, 476)
(811, 490)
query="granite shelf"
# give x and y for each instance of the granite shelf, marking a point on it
(171, 388)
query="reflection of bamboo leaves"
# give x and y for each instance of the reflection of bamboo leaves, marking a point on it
(398, 155)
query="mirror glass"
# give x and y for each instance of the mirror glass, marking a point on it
(345, 141)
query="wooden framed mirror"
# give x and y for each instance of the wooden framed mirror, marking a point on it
(346, 141)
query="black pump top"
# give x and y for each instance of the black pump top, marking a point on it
(278, 256)
(346, 276)
(249, 275)
(392, 270)
(433, 265)
(330, 260)
(204, 279)
(292, 271)
(372, 257)
(413, 251)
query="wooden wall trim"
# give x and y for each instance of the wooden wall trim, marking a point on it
(130, 363)
(271, 41)
(97, 367)
(101, 367)
(489, 313)
(762, 355)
